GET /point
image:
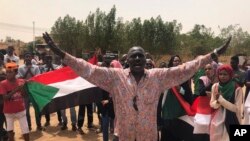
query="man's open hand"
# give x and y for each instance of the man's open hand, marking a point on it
(52, 45)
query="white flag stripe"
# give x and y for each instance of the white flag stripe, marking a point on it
(187, 119)
(202, 118)
(70, 86)
(201, 123)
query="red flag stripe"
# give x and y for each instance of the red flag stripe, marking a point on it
(201, 105)
(65, 73)
(183, 103)
(93, 60)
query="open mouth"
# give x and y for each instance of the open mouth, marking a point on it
(137, 65)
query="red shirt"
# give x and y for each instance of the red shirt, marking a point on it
(16, 103)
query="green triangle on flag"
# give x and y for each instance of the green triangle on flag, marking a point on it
(40, 95)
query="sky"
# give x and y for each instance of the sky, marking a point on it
(19, 17)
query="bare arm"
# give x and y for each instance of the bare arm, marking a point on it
(177, 75)
(101, 77)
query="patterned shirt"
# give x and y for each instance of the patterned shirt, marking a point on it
(130, 123)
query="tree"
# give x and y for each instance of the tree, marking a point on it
(109, 28)
(240, 41)
(67, 33)
(201, 40)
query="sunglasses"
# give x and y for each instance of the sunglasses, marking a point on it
(135, 103)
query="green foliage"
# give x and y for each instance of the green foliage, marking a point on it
(240, 41)
(105, 31)
(200, 40)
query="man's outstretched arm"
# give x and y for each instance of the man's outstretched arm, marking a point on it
(173, 76)
(99, 76)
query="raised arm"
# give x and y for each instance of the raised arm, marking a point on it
(99, 76)
(177, 75)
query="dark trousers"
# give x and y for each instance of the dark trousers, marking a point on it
(2, 120)
(38, 119)
(107, 123)
(27, 107)
(99, 112)
(176, 130)
(37, 114)
(59, 116)
(81, 115)
(201, 137)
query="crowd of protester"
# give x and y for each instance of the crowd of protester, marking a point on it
(221, 85)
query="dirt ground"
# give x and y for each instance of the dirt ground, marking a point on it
(54, 133)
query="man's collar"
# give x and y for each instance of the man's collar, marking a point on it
(128, 72)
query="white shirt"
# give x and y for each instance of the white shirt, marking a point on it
(13, 58)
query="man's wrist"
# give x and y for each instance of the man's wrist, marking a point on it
(216, 52)
(213, 55)
(62, 54)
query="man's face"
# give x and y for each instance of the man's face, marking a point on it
(10, 74)
(10, 51)
(234, 64)
(28, 59)
(136, 59)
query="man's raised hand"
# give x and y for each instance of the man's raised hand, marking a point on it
(220, 50)
(52, 45)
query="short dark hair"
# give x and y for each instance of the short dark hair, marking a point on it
(27, 53)
(11, 47)
(235, 58)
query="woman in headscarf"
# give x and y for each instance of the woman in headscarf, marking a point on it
(206, 82)
(227, 100)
